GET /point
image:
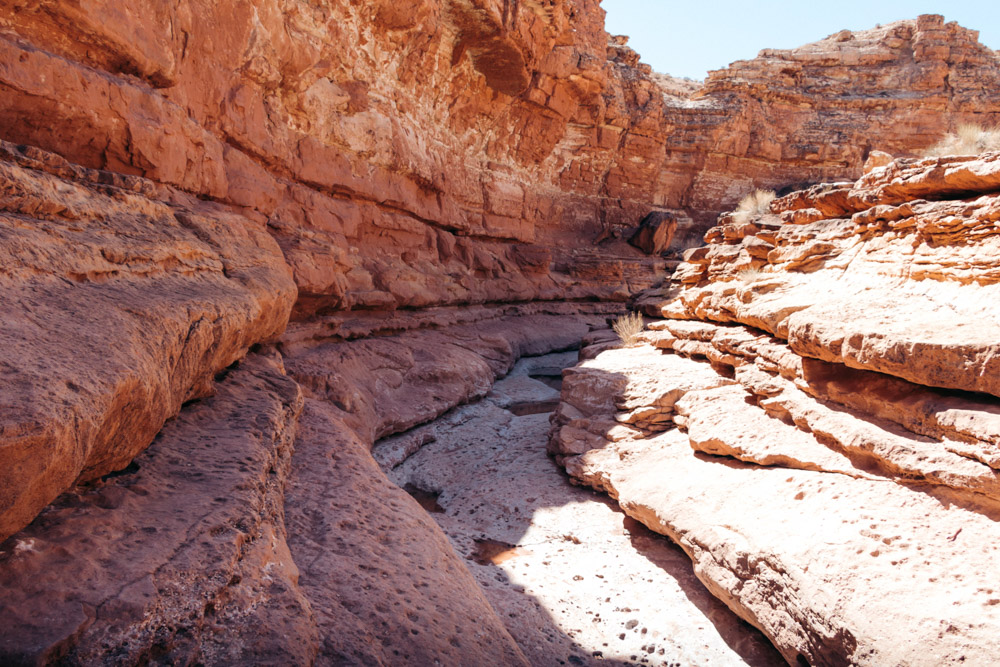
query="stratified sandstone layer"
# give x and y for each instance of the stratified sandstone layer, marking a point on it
(426, 191)
(457, 151)
(120, 301)
(246, 533)
(816, 421)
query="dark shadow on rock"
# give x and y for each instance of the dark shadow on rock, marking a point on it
(746, 640)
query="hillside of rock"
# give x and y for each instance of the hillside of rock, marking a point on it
(815, 420)
(452, 152)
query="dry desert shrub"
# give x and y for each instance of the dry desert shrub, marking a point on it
(756, 203)
(628, 327)
(749, 275)
(968, 139)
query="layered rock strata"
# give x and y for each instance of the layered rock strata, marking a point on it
(128, 303)
(246, 532)
(426, 191)
(451, 151)
(121, 300)
(815, 421)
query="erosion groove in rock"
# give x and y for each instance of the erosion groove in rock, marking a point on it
(517, 521)
(386, 586)
(340, 584)
(385, 385)
(809, 450)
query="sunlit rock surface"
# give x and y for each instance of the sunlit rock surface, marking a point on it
(833, 469)
(207, 209)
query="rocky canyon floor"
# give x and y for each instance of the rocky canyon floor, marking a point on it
(574, 579)
(288, 290)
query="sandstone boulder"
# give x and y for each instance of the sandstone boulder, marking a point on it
(655, 233)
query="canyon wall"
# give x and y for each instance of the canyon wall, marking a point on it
(346, 218)
(813, 416)
(451, 152)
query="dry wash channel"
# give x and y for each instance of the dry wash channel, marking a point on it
(574, 579)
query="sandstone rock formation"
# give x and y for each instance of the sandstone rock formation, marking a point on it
(121, 300)
(452, 152)
(241, 242)
(246, 534)
(795, 422)
(573, 579)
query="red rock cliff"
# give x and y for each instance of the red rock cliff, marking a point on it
(180, 180)
(448, 152)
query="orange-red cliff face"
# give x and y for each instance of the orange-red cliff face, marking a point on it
(456, 151)
(184, 183)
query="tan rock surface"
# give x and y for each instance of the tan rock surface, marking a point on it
(860, 568)
(573, 579)
(825, 480)
(861, 290)
(429, 191)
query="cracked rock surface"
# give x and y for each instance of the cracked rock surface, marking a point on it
(825, 448)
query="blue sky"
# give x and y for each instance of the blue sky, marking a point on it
(690, 37)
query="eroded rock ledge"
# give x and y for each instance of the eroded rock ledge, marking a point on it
(121, 301)
(795, 426)
(134, 311)
(249, 532)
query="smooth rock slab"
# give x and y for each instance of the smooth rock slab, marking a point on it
(575, 581)
(834, 569)
(385, 584)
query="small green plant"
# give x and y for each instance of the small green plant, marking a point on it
(628, 327)
(967, 139)
(756, 203)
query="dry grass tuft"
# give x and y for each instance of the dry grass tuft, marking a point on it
(750, 275)
(628, 327)
(968, 139)
(756, 203)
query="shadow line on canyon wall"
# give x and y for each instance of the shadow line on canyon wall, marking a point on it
(682, 570)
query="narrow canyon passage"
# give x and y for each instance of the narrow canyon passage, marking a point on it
(574, 579)
(287, 294)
